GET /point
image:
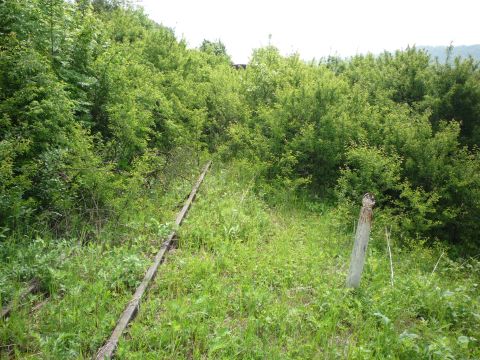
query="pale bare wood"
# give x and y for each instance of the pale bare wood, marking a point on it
(360, 245)
(108, 349)
(387, 234)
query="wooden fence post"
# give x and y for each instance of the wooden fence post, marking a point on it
(362, 235)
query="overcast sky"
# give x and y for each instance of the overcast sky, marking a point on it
(319, 28)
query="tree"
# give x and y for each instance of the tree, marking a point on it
(216, 48)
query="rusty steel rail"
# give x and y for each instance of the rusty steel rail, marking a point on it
(108, 349)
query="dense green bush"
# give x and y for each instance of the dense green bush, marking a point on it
(105, 117)
(94, 99)
(92, 92)
(377, 124)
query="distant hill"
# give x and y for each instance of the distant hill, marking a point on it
(440, 52)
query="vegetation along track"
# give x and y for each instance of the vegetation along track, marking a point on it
(257, 279)
(104, 117)
(130, 311)
(81, 288)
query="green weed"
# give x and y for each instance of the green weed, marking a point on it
(263, 281)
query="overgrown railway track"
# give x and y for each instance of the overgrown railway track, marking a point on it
(108, 349)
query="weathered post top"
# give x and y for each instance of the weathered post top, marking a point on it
(368, 200)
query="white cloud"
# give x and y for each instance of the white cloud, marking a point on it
(320, 28)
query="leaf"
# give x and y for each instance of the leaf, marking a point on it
(407, 335)
(463, 339)
(382, 317)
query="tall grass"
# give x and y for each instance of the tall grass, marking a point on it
(257, 280)
(254, 277)
(84, 282)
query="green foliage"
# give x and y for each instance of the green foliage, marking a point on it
(370, 168)
(455, 95)
(216, 48)
(396, 124)
(87, 91)
(266, 280)
(83, 279)
(99, 86)
(104, 117)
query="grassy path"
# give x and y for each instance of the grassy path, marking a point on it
(256, 282)
(249, 280)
